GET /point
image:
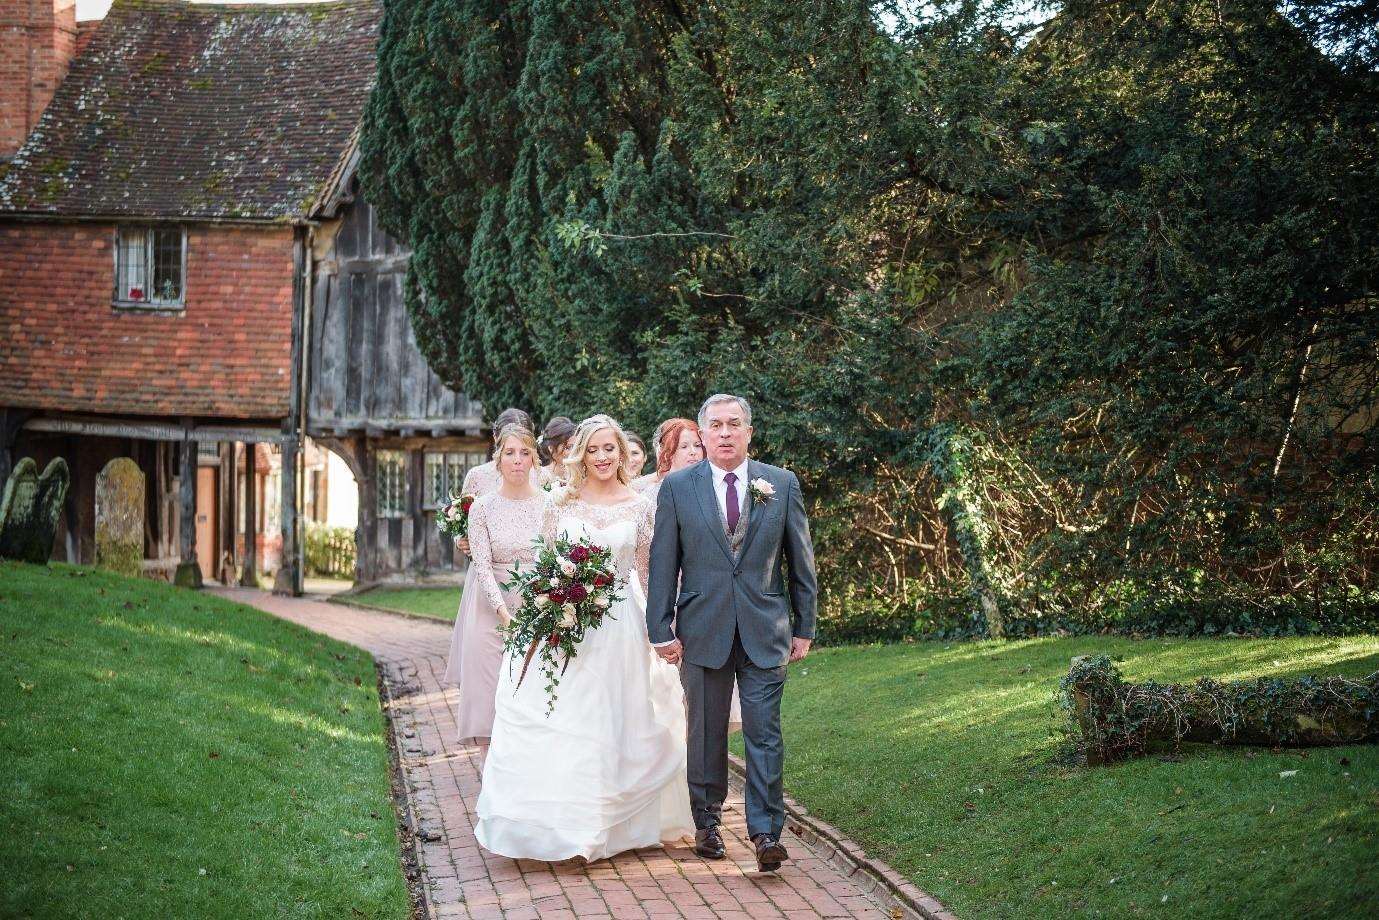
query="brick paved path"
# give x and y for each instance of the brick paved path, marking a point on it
(464, 881)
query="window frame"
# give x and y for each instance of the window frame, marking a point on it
(435, 502)
(150, 257)
(402, 510)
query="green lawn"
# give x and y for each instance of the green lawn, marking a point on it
(171, 754)
(942, 759)
(441, 603)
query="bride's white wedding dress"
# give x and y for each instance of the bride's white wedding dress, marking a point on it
(605, 772)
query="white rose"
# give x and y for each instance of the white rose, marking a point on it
(601, 601)
(543, 600)
(554, 583)
(567, 567)
(763, 487)
(567, 617)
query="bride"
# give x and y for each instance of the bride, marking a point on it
(605, 771)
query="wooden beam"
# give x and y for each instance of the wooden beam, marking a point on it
(188, 569)
(150, 431)
(249, 577)
(286, 581)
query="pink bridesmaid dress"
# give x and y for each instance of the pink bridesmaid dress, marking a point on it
(501, 531)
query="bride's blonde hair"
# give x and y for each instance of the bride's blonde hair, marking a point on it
(579, 443)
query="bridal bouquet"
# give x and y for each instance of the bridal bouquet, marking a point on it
(567, 593)
(453, 518)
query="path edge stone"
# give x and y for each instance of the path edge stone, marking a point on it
(404, 818)
(887, 887)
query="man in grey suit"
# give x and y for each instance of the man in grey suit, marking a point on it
(730, 534)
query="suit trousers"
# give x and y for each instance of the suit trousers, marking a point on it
(708, 694)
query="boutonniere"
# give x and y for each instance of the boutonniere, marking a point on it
(761, 490)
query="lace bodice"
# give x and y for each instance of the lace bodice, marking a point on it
(485, 478)
(625, 528)
(648, 485)
(501, 531)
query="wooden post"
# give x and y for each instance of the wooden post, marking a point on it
(188, 570)
(229, 519)
(286, 581)
(366, 534)
(249, 575)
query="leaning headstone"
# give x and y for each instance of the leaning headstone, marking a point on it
(120, 517)
(29, 510)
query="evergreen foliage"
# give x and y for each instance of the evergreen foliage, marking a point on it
(1123, 253)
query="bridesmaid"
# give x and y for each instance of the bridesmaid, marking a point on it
(554, 445)
(480, 480)
(677, 447)
(636, 455)
(502, 525)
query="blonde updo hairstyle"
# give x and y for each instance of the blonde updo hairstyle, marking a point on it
(579, 443)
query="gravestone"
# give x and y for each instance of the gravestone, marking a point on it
(120, 517)
(29, 510)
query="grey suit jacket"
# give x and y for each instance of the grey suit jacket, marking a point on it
(719, 590)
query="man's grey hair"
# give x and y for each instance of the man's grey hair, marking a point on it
(717, 398)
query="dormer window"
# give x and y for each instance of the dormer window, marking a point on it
(150, 267)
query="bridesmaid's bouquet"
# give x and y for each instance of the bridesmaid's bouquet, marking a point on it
(568, 592)
(453, 517)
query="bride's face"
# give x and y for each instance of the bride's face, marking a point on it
(602, 456)
(688, 451)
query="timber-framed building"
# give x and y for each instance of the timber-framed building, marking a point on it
(190, 278)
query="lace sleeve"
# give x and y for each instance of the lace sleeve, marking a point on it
(481, 552)
(646, 528)
(550, 516)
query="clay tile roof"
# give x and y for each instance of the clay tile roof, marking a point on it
(182, 110)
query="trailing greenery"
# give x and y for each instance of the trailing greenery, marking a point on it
(1113, 720)
(946, 760)
(1055, 296)
(172, 754)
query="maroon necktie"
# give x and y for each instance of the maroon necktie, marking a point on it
(734, 510)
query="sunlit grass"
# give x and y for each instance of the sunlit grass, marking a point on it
(945, 761)
(440, 603)
(172, 754)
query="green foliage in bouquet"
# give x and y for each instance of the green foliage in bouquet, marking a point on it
(453, 518)
(568, 592)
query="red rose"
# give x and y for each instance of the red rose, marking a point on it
(554, 639)
(558, 596)
(579, 554)
(576, 593)
(595, 549)
(602, 581)
(466, 502)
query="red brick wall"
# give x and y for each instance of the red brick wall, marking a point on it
(37, 42)
(63, 346)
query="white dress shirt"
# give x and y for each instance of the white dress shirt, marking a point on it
(720, 488)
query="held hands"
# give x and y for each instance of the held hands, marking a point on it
(504, 618)
(463, 544)
(799, 648)
(671, 652)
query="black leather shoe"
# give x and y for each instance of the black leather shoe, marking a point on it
(708, 843)
(770, 853)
